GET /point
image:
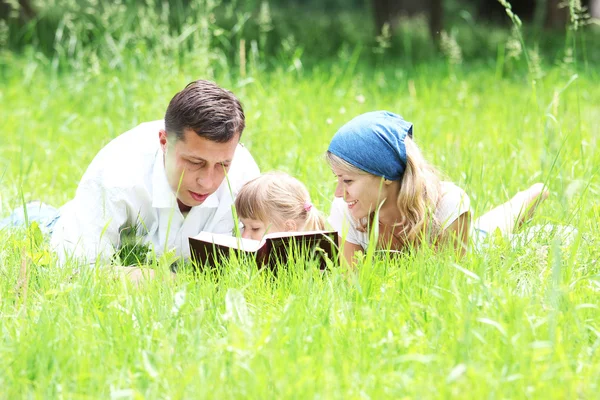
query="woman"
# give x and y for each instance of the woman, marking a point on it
(387, 189)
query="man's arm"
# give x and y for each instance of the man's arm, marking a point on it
(89, 226)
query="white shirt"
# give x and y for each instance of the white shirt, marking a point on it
(453, 203)
(126, 186)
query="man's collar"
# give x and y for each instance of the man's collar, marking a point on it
(162, 194)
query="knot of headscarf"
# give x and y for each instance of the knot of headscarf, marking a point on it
(374, 142)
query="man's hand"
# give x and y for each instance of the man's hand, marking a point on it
(138, 275)
(135, 274)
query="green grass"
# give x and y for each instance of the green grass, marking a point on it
(504, 323)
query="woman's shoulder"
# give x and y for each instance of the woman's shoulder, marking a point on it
(451, 192)
(453, 202)
(451, 188)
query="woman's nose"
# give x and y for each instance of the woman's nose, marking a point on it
(339, 190)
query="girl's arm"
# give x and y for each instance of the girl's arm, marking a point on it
(457, 234)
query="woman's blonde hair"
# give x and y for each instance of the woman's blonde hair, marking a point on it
(417, 200)
(277, 197)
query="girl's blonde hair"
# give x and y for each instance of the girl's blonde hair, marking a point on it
(277, 197)
(417, 200)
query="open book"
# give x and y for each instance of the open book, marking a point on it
(209, 249)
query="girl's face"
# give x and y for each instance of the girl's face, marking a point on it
(255, 229)
(362, 192)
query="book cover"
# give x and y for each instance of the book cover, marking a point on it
(209, 249)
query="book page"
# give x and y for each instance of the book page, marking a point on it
(233, 242)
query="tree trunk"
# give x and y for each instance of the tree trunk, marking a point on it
(436, 14)
(595, 8)
(25, 10)
(385, 12)
(556, 16)
(389, 11)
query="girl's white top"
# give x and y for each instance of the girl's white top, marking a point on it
(453, 203)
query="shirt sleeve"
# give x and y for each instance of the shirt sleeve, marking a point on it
(454, 203)
(341, 221)
(88, 229)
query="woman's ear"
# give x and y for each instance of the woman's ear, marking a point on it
(291, 226)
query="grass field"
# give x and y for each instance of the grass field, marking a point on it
(520, 322)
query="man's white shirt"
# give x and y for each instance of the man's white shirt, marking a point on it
(126, 187)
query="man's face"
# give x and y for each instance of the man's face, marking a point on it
(195, 166)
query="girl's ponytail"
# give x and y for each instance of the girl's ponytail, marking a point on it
(315, 221)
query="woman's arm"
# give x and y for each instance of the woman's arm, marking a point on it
(457, 234)
(348, 251)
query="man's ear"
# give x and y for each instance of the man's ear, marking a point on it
(162, 138)
(291, 226)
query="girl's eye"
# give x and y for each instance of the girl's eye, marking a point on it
(255, 229)
(347, 181)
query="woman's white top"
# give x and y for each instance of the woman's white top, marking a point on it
(453, 203)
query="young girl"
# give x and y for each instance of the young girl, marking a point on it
(276, 202)
(380, 171)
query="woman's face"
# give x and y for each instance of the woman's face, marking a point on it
(255, 229)
(362, 192)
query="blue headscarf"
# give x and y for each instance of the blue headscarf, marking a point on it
(374, 142)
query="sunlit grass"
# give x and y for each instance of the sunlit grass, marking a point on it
(504, 323)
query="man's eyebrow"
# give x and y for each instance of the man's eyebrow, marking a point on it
(191, 157)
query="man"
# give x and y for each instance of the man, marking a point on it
(165, 180)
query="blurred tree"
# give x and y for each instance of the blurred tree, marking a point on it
(553, 14)
(556, 14)
(389, 12)
(21, 9)
(595, 8)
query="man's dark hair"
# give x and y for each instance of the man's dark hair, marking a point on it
(212, 112)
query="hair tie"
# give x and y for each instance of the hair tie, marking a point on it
(307, 207)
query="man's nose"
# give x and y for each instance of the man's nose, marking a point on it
(206, 179)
